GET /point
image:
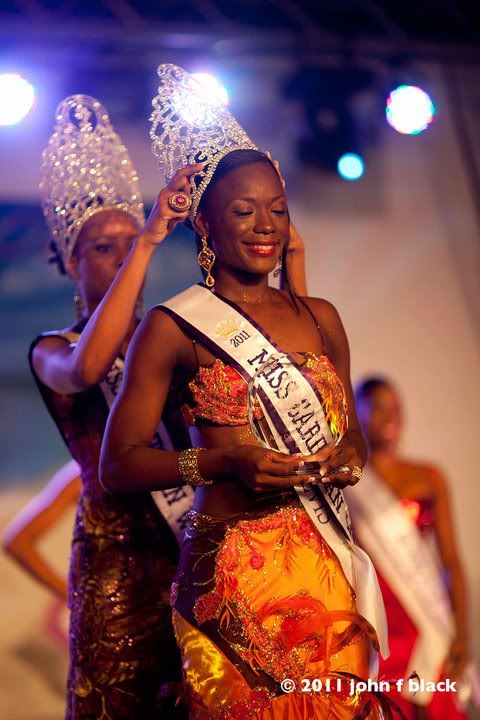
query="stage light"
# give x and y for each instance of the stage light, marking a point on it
(329, 127)
(215, 92)
(409, 110)
(351, 167)
(198, 102)
(17, 97)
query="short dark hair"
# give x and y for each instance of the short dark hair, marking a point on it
(365, 389)
(56, 258)
(230, 162)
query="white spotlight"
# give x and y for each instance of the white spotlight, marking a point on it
(215, 92)
(409, 110)
(17, 97)
(197, 102)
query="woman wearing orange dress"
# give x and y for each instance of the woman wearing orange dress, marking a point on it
(266, 619)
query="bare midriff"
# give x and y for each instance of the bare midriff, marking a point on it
(228, 496)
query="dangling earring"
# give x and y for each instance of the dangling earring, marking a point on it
(140, 307)
(278, 269)
(79, 304)
(206, 258)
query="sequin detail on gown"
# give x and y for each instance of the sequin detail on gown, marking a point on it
(219, 393)
(261, 597)
(122, 563)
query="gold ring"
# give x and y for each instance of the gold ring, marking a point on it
(357, 472)
(180, 201)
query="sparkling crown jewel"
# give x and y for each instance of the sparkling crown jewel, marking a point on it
(85, 169)
(188, 126)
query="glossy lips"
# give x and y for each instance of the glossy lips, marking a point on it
(262, 248)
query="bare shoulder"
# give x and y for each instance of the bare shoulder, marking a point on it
(426, 474)
(158, 332)
(47, 345)
(325, 312)
(158, 320)
(330, 324)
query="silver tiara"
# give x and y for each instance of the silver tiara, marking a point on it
(187, 127)
(85, 169)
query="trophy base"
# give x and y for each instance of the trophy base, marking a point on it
(312, 469)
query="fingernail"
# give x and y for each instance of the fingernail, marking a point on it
(311, 479)
(323, 471)
(301, 463)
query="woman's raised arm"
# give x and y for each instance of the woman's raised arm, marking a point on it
(69, 370)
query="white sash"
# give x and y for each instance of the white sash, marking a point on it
(406, 562)
(175, 503)
(297, 421)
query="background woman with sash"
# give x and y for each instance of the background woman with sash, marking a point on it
(421, 492)
(259, 596)
(123, 551)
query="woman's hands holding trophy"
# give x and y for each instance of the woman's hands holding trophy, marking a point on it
(338, 465)
(261, 469)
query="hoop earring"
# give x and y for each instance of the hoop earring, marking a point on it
(140, 307)
(78, 302)
(206, 259)
(278, 269)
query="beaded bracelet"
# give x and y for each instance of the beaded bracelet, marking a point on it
(188, 468)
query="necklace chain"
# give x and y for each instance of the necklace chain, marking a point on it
(247, 299)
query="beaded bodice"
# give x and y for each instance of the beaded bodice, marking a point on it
(219, 393)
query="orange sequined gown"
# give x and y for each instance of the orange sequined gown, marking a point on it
(260, 597)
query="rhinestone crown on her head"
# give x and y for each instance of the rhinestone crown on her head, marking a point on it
(85, 169)
(188, 126)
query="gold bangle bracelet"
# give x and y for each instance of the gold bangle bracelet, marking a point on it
(357, 472)
(188, 468)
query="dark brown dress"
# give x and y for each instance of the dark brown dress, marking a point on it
(121, 643)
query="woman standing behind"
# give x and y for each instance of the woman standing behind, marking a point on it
(403, 506)
(123, 551)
